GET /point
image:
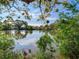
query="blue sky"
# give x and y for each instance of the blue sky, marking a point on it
(33, 11)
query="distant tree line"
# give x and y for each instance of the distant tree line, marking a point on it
(10, 24)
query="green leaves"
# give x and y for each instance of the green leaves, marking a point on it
(5, 44)
(46, 48)
(67, 35)
(44, 41)
(5, 2)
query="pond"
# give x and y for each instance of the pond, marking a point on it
(25, 40)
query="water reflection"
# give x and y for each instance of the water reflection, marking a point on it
(16, 34)
(39, 42)
(29, 41)
(24, 39)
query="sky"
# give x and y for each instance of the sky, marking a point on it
(33, 11)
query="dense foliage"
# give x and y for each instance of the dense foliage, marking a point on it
(66, 35)
(66, 31)
(6, 48)
(46, 48)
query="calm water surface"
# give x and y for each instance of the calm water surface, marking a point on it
(24, 39)
(27, 40)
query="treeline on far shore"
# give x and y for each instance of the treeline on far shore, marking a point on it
(21, 25)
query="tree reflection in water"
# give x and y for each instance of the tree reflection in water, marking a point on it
(44, 44)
